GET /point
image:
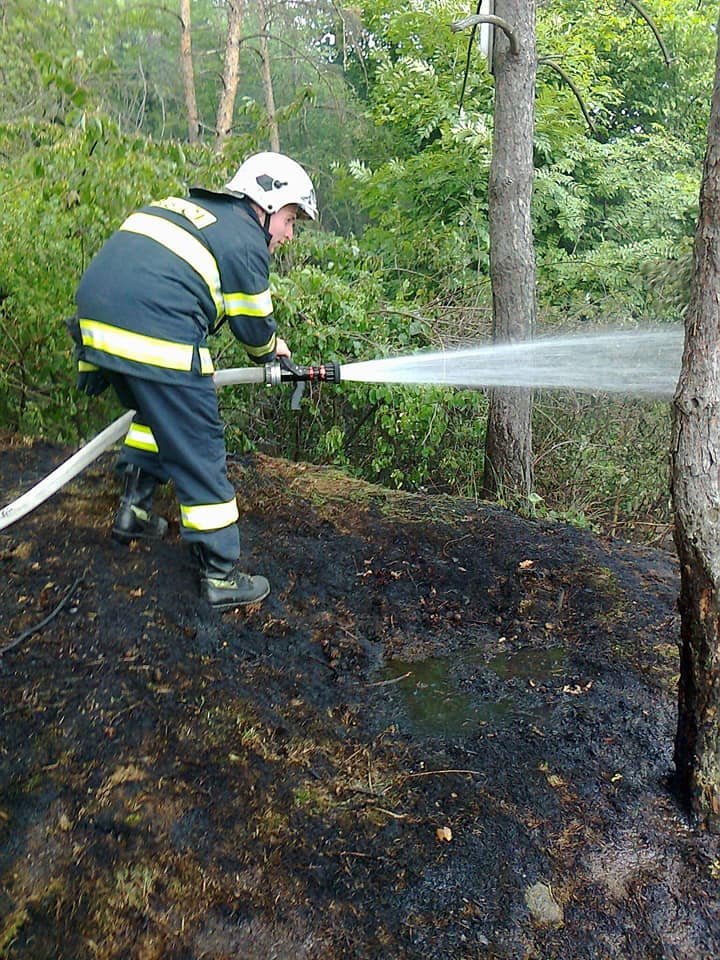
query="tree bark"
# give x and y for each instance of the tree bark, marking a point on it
(695, 455)
(231, 74)
(188, 74)
(267, 84)
(508, 445)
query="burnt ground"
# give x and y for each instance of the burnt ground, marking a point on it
(446, 734)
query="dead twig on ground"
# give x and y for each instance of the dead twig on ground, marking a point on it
(386, 683)
(43, 623)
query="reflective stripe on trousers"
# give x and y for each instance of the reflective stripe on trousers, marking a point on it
(209, 516)
(141, 437)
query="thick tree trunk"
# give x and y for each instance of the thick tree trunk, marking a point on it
(695, 455)
(188, 74)
(231, 74)
(508, 445)
(267, 84)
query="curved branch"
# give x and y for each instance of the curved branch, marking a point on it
(476, 18)
(649, 21)
(568, 80)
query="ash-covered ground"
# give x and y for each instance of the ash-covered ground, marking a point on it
(446, 735)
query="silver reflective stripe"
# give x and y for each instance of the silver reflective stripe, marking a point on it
(141, 437)
(183, 245)
(248, 304)
(209, 516)
(136, 346)
(206, 364)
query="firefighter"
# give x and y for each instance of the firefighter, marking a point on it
(147, 303)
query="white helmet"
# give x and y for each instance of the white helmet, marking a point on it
(273, 180)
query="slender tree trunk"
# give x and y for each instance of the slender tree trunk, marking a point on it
(508, 445)
(188, 74)
(231, 74)
(267, 84)
(695, 454)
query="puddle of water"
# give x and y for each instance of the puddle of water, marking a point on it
(529, 664)
(435, 706)
(432, 702)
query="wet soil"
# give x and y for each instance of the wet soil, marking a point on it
(445, 735)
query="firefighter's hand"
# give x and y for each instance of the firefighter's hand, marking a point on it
(90, 377)
(281, 348)
(91, 382)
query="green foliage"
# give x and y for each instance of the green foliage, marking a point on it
(616, 59)
(603, 462)
(600, 231)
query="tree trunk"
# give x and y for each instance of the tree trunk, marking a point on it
(508, 445)
(231, 74)
(188, 74)
(695, 454)
(267, 85)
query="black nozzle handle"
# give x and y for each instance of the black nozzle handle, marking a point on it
(322, 372)
(283, 370)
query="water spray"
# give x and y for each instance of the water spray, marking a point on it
(632, 362)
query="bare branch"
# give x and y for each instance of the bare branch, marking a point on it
(568, 80)
(476, 18)
(651, 23)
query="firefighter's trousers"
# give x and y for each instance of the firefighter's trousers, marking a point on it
(177, 435)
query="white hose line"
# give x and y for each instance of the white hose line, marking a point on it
(43, 490)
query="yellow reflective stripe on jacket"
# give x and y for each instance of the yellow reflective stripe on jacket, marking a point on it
(248, 304)
(85, 367)
(268, 347)
(197, 215)
(141, 437)
(136, 346)
(209, 516)
(183, 245)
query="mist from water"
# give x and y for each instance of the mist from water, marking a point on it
(643, 362)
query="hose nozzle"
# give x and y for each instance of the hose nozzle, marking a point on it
(284, 370)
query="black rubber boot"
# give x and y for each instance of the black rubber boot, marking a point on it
(222, 585)
(135, 519)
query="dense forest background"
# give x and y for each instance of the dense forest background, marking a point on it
(391, 113)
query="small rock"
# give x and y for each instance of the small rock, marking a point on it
(544, 908)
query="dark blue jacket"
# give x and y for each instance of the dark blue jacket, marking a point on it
(168, 278)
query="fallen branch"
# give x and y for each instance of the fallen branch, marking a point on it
(430, 773)
(386, 683)
(43, 623)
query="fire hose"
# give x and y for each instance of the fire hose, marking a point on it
(273, 374)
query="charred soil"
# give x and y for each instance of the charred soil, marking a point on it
(445, 735)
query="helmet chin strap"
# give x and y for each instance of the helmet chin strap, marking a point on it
(266, 224)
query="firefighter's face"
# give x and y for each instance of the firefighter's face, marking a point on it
(282, 225)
